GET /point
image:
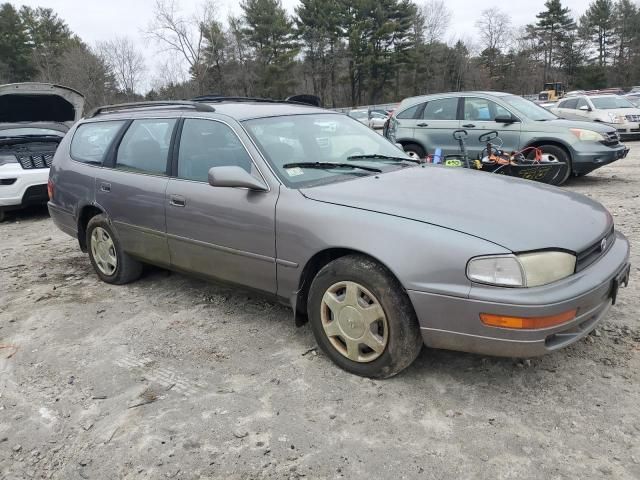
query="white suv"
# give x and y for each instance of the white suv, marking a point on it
(614, 110)
(34, 118)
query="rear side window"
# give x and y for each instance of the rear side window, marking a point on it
(206, 144)
(571, 103)
(441, 109)
(409, 113)
(92, 140)
(145, 146)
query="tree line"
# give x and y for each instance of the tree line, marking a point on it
(348, 52)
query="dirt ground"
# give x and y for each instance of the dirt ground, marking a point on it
(172, 377)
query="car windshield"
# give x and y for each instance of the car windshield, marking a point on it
(326, 138)
(610, 102)
(528, 108)
(16, 132)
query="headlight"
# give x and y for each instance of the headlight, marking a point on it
(587, 135)
(4, 159)
(525, 270)
(615, 118)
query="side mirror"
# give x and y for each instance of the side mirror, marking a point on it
(235, 177)
(506, 119)
(585, 108)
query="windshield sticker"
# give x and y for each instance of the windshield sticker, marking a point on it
(294, 172)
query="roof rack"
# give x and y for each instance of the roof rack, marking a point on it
(296, 99)
(200, 107)
(222, 98)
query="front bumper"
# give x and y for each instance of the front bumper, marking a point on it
(586, 158)
(20, 187)
(628, 130)
(453, 323)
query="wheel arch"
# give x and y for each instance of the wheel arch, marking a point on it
(311, 269)
(555, 143)
(86, 213)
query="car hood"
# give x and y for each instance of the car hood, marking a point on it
(519, 215)
(39, 102)
(624, 111)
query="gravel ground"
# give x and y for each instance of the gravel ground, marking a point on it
(171, 377)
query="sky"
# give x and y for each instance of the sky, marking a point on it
(100, 20)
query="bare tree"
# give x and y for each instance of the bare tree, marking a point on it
(125, 62)
(183, 35)
(494, 29)
(436, 17)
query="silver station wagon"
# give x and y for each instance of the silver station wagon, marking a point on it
(380, 253)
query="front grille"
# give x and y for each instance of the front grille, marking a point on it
(633, 118)
(594, 252)
(40, 160)
(611, 139)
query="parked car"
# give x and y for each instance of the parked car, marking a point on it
(380, 253)
(422, 124)
(34, 118)
(377, 120)
(613, 110)
(360, 115)
(634, 98)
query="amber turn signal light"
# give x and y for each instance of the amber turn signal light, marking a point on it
(527, 323)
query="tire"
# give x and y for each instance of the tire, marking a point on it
(395, 333)
(415, 151)
(2, 215)
(126, 268)
(562, 156)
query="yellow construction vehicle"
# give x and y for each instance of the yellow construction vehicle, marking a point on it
(552, 92)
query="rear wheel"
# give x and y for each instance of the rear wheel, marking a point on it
(109, 261)
(415, 151)
(2, 215)
(560, 155)
(362, 318)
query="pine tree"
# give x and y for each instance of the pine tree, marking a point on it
(269, 31)
(15, 49)
(597, 27)
(554, 27)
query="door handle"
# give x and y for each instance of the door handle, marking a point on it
(469, 125)
(423, 125)
(177, 201)
(105, 187)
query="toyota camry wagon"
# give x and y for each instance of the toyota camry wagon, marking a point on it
(379, 252)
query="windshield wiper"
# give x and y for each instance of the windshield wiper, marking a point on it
(330, 165)
(377, 156)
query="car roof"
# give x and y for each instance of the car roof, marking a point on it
(249, 110)
(238, 109)
(421, 98)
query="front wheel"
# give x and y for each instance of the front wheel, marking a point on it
(415, 151)
(362, 318)
(560, 155)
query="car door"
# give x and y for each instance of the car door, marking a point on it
(479, 116)
(219, 232)
(584, 111)
(132, 188)
(567, 108)
(436, 122)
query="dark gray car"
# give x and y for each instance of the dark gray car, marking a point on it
(422, 124)
(313, 208)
